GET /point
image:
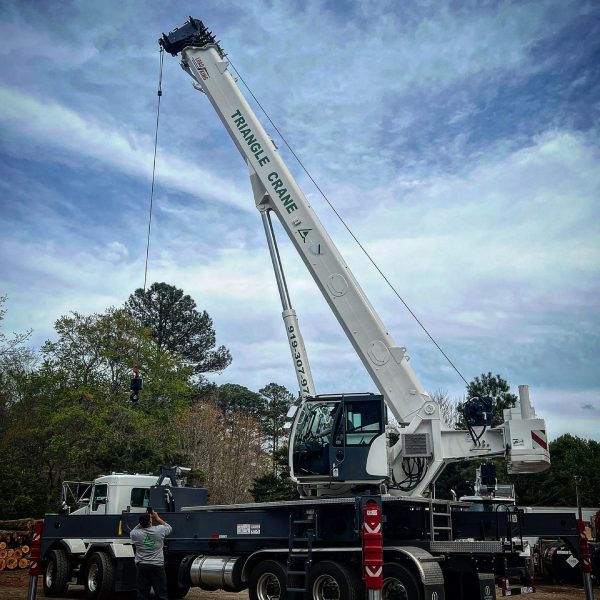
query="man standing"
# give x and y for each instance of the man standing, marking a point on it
(148, 541)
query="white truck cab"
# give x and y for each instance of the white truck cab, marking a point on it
(112, 494)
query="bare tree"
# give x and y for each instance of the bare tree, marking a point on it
(9, 345)
(230, 457)
(448, 407)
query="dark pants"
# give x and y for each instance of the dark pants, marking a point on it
(151, 576)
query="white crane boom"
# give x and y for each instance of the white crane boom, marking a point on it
(424, 439)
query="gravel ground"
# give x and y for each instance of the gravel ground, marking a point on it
(13, 586)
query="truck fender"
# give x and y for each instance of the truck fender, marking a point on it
(256, 557)
(70, 546)
(114, 549)
(423, 563)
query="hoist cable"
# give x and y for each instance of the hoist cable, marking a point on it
(366, 253)
(159, 94)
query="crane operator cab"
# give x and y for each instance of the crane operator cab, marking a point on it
(340, 438)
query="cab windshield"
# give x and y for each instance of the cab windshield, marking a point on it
(316, 422)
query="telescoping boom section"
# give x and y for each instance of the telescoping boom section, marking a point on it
(343, 443)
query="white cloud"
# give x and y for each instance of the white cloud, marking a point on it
(115, 252)
(361, 83)
(125, 152)
(565, 412)
(502, 237)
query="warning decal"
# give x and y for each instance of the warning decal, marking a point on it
(538, 437)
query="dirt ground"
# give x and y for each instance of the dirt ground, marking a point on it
(14, 584)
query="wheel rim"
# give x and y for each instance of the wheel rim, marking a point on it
(93, 577)
(50, 574)
(326, 587)
(268, 587)
(393, 589)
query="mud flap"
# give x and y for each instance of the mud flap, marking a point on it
(434, 592)
(487, 586)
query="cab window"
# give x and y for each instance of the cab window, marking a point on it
(140, 497)
(316, 422)
(360, 425)
(100, 495)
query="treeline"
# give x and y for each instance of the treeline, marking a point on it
(66, 410)
(67, 413)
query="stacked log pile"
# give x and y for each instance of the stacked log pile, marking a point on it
(15, 542)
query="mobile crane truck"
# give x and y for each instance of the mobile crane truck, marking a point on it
(365, 520)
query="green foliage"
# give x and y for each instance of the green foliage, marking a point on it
(96, 353)
(15, 362)
(178, 327)
(570, 456)
(275, 486)
(232, 398)
(272, 488)
(277, 401)
(11, 344)
(69, 416)
(65, 412)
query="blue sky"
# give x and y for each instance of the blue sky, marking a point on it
(459, 140)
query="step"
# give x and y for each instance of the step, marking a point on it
(296, 589)
(431, 559)
(304, 521)
(296, 572)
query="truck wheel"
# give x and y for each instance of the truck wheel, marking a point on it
(99, 577)
(331, 580)
(56, 574)
(268, 581)
(399, 584)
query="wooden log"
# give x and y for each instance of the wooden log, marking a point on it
(23, 563)
(10, 553)
(18, 554)
(18, 524)
(25, 549)
(2, 564)
(9, 538)
(2, 545)
(3, 553)
(11, 563)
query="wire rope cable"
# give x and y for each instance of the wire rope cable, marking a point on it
(364, 250)
(136, 384)
(159, 94)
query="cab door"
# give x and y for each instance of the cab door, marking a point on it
(358, 452)
(99, 499)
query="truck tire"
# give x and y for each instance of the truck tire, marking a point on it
(400, 584)
(56, 574)
(332, 580)
(268, 581)
(99, 577)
